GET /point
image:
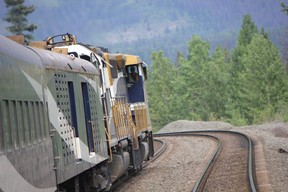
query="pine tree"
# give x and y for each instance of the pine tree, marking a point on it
(248, 30)
(284, 8)
(16, 15)
(264, 34)
(159, 89)
(191, 81)
(263, 80)
(218, 76)
(234, 104)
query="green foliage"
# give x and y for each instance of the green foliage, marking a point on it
(219, 76)
(159, 89)
(264, 79)
(250, 88)
(264, 34)
(16, 15)
(284, 8)
(281, 111)
(247, 32)
(106, 23)
(235, 105)
(191, 80)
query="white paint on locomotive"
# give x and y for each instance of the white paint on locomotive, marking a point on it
(11, 180)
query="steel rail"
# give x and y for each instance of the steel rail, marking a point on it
(200, 181)
(125, 177)
(157, 153)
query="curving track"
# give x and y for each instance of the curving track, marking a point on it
(231, 165)
(159, 148)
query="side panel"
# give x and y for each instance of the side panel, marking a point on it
(26, 150)
(26, 157)
(79, 141)
(1, 133)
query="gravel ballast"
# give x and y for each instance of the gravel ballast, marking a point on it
(159, 176)
(177, 169)
(273, 137)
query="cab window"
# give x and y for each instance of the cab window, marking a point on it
(133, 74)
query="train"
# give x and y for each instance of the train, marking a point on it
(73, 117)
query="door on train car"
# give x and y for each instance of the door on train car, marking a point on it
(87, 112)
(135, 84)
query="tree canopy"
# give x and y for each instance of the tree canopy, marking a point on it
(250, 88)
(17, 16)
(284, 8)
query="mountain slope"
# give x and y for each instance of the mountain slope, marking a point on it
(144, 26)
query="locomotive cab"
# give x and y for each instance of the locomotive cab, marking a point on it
(135, 77)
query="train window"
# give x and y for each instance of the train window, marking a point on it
(133, 74)
(145, 73)
(75, 54)
(85, 57)
(94, 60)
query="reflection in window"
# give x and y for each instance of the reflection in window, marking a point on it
(133, 75)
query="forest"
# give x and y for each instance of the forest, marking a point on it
(209, 60)
(247, 85)
(141, 27)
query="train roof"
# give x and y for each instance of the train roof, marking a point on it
(57, 61)
(132, 59)
(44, 58)
(123, 59)
(19, 52)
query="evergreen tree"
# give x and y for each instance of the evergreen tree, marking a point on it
(284, 8)
(234, 104)
(191, 81)
(248, 30)
(16, 15)
(218, 75)
(159, 89)
(264, 34)
(250, 88)
(263, 81)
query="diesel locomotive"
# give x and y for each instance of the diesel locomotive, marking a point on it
(73, 117)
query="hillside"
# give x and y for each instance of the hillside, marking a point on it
(141, 27)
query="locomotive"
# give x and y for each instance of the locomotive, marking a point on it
(73, 117)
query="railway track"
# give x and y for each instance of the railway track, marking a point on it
(231, 167)
(159, 148)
